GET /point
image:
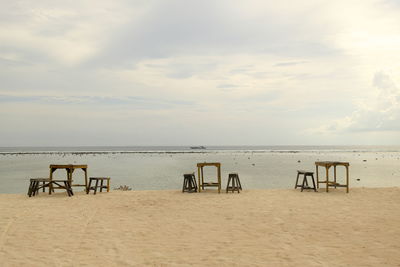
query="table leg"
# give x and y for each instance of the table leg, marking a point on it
(108, 185)
(51, 179)
(86, 180)
(195, 183)
(88, 187)
(198, 173)
(70, 189)
(219, 180)
(34, 190)
(70, 175)
(327, 179)
(347, 179)
(95, 188)
(334, 174)
(304, 180)
(202, 177)
(67, 187)
(240, 185)
(316, 167)
(30, 188)
(312, 177)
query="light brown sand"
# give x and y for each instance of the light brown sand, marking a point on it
(168, 228)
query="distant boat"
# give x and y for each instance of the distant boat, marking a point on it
(197, 147)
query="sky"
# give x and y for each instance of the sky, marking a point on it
(189, 72)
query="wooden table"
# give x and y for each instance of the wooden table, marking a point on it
(70, 168)
(202, 184)
(334, 183)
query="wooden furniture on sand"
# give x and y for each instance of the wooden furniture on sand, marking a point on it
(35, 186)
(70, 168)
(304, 184)
(203, 184)
(233, 179)
(327, 165)
(189, 183)
(96, 185)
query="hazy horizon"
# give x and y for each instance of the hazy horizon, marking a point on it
(184, 73)
(195, 148)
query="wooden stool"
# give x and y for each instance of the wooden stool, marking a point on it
(34, 185)
(236, 185)
(101, 186)
(304, 184)
(189, 183)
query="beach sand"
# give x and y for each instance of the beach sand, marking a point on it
(170, 228)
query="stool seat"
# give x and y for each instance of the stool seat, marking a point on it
(233, 183)
(40, 179)
(189, 183)
(96, 185)
(304, 172)
(304, 184)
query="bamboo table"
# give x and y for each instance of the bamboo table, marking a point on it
(70, 168)
(334, 183)
(202, 184)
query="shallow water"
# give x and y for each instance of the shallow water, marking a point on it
(164, 170)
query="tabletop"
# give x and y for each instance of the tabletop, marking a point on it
(217, 164)
(67, 166)
(331, 163)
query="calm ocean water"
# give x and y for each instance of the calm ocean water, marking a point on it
(157, 168)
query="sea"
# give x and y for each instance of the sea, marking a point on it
(162, 167)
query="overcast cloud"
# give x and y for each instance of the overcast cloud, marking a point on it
(199, 72)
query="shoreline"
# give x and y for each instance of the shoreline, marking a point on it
(212, 191)
(259, 227)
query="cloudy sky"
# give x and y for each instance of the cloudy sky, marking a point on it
(183, 72)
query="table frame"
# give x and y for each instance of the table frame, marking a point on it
(70, 168)
(334, 183)
(202, 184)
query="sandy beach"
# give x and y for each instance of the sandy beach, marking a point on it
(169, 228)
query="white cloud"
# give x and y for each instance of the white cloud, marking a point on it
(381, 113)
(268, 69)
(65, 33)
